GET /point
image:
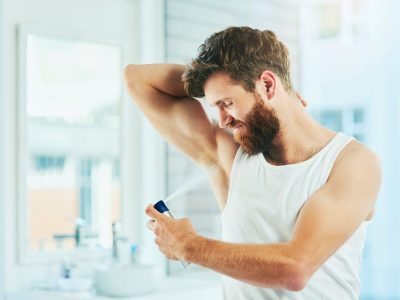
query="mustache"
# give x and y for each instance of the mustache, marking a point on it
(234, 123)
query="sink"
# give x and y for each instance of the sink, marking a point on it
(125, 280)
(74, 284)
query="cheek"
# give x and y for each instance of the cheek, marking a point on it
(236, 114)
(241, 113)
(241, 118)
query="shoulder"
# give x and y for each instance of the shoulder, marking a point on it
(224, 152)
(356, 177)
(357, 158)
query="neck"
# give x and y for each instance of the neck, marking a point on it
(299, 138)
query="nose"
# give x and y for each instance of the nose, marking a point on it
(224, 117)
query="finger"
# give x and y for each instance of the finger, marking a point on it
(151, 225)
(304, 102)
(154, 214)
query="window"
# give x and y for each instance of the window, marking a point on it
(72, 125)
(349, 120)
(328, 19)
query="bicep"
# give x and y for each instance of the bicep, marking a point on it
(181, 121)
(335, 211)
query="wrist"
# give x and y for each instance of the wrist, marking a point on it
(192, 246)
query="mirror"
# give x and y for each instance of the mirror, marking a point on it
(69, 143)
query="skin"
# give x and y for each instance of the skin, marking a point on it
(329, 217)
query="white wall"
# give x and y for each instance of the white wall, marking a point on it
(152, 43)
(201, 18)
(383, 77)
(104, 19)
(2, 271)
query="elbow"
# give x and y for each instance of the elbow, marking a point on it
(297, 277)
(131, 78)
(128, 73)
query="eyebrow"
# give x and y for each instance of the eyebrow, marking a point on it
(216, 103)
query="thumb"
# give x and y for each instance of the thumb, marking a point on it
(154, 214)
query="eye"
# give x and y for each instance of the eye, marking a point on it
(227, 103)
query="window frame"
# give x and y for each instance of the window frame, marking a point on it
(24, 256)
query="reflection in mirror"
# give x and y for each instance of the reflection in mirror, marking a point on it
(73, 95)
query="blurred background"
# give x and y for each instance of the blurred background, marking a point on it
(78, 163)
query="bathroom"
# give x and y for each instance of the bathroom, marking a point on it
(79, 163)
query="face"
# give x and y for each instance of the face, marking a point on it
(259, 128)
(254, 125)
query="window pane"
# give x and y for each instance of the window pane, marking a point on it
(73, 128)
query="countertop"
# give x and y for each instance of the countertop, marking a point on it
(169, 288)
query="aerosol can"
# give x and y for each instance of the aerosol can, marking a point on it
(161, 207)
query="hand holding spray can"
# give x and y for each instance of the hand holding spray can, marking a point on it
(161, 207)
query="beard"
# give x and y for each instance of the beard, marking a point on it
(261, 125)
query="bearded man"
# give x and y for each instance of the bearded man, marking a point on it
(295, 196)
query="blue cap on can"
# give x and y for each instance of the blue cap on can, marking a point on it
(161, 207)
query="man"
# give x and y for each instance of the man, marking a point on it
(294, 195)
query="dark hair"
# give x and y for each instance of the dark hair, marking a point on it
(243, 53)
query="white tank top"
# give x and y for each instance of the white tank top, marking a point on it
(263, 204)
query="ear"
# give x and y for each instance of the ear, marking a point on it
(268, 80)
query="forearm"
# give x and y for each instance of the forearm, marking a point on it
(263, 265)
(165, 78)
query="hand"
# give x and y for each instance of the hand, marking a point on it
(172, 236)
(303, 102)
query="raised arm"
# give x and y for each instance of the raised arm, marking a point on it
(158, 91)
(327, 220)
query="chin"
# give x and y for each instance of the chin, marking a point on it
(247, 148)
(237, 138)
(250, 151)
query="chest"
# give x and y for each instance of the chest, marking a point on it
(263, 206)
